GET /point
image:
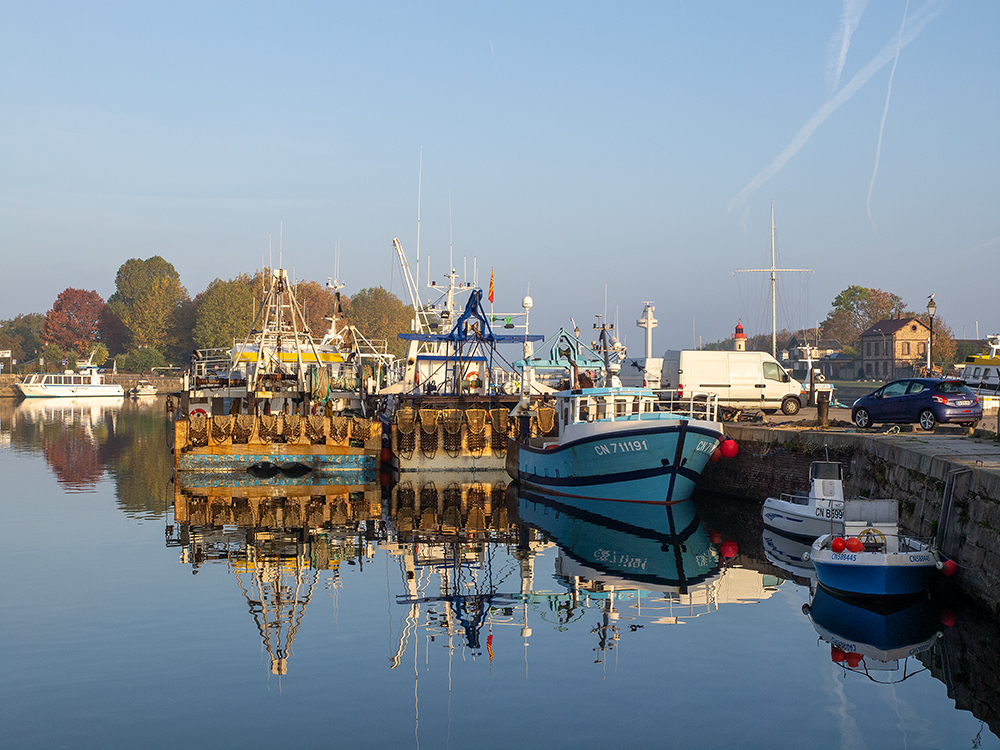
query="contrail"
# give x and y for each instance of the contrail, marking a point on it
(849, 20)
(914, 25)
(885, 112)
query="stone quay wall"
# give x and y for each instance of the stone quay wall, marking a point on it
(948, 488)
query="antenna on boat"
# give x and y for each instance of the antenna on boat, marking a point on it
(451, 236)
(420, 177)
(281, 236)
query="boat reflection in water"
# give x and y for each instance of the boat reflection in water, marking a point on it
(466, 549)
(875, 637)
(636, 576)
(277, 536)
(789, 554)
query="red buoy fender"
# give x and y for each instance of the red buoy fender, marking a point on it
(837, 545)
(729, 448)
(716, 455)
(854, 544)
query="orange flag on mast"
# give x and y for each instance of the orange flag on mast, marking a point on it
(491, 287)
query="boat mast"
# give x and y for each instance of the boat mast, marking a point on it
(774, 271)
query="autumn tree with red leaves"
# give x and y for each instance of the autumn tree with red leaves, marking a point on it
(73, 323)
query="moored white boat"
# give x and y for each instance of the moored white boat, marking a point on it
(86, 381)
(142, 388)
(981, 372)
(810, 513)
(874, 559)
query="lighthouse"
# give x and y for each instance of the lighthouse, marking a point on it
(740, 338)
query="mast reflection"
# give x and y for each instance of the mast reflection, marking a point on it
(277, 537)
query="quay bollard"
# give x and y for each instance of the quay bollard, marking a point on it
(823, 408)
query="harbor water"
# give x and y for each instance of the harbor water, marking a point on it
(142, 610)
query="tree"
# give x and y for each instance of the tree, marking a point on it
(317, 304)
(225, 312)
(378, 314)
(73, 321)
(147, 301)
(856, 309)
(22, 335)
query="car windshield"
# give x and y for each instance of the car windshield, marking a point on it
(952, 386)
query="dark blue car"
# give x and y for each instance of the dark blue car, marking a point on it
(926, 401)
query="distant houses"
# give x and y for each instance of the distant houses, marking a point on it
(826, 355)
(892, 348)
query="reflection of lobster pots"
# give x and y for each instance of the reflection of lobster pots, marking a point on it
(319, 410)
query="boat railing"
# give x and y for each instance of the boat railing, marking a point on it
(798, 498)
(692, 404)
(210, 361)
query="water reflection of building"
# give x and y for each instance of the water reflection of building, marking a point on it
(277, 537)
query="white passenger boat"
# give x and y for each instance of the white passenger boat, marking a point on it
(808, 514)
(873, 558)
(86, 381)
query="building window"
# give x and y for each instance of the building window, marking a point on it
(868, 350)
(922, 348)
(906, 348)
(876, 348)
(868, 368)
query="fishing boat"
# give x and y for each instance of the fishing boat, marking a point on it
(873, 558)
(616, 453)
(448, 410)
(86, 381)
(810, 513)
(874, 637)
(280, 398)
(981, 372)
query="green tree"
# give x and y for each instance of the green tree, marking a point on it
(856, 309)
(22, 335)
(142, 359)
(225, 312)
(379, 314)
(147, 301)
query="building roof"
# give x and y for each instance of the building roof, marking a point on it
(892, 326)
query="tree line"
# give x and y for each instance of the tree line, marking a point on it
(151, 320)
(853, 311)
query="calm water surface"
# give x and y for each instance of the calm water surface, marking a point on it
(142, 612)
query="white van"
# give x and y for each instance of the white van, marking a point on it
(741, 380)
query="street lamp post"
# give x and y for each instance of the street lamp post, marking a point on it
(931, 309)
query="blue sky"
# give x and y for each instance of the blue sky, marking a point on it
(591, 150)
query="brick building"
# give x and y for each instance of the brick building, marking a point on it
(891, 348)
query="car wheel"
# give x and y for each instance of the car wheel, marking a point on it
(769, 412)
(927, 419)
(862, 418)
(790, 406)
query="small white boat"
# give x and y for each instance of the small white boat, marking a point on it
(143, 388)
(873, 558)
(809, 514)
(86, 381)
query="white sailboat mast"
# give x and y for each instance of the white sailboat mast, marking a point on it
(774, 271)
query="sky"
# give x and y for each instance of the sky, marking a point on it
(594, 155)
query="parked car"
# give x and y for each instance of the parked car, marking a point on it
(925, 401)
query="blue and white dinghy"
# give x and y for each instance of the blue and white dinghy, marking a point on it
(873, 558)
